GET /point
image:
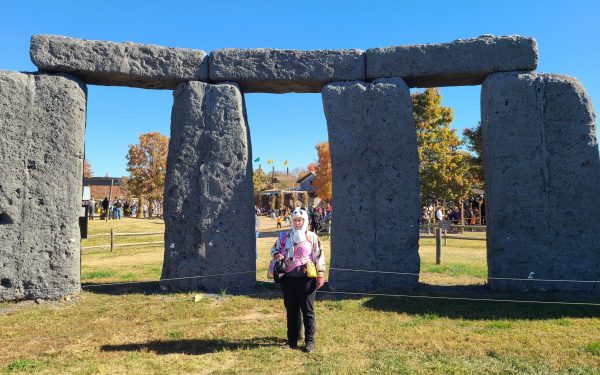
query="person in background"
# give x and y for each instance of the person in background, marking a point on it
(425, 220)
(256, 230)
(91, 207)
(105, 206)
(439, 214)
(118, 208)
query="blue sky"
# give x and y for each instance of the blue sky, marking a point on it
(567, 34)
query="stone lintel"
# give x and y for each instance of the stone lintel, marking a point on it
(282, 71)
(119, 64)
(461, 62)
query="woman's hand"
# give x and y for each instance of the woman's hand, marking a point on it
(320, 282)
(278, 256)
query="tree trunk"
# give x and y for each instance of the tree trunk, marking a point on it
(151, 208)
(140, 211)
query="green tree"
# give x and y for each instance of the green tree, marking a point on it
(443, 170)
(472, 139)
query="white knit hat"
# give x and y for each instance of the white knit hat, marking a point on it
(300, 235)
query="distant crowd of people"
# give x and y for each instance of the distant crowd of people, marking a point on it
(118, 208)
(317, 216)
(473, 213)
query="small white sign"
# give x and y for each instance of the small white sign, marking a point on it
(86, 193)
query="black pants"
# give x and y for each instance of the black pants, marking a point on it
(299, 296)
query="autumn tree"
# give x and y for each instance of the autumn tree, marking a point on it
(259, 180)
(272, 199)
(280, 201)
(304, 199)
(87, 169)
(443, 171)
(323, 179)
(147, 165)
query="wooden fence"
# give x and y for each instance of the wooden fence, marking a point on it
(441, 232)
(113, 240)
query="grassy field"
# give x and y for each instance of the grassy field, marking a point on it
(138, 330)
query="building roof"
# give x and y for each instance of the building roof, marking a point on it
(102, 181)
(309, 174)
(278, 191)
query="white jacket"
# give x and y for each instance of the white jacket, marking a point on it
(287, 250)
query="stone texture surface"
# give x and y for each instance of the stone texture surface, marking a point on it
(119, 64)
(542, 173)
(42, 125)
(281, 71)
(462, 62)
(373, 145)
(209, 209)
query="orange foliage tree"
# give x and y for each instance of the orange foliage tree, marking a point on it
(87, 169)
(322, 181)
(147, 166)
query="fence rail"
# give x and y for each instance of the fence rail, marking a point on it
(443, 234)
(114, 245)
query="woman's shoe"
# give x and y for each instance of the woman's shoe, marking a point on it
(310, 346)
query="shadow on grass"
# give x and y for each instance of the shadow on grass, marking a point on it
(438, 302)
(125, 287)
(262, 289)
(195, 347)
(429, 300)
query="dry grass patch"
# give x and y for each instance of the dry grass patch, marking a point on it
(110, 331)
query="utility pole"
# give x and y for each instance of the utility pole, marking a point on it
(110, 191)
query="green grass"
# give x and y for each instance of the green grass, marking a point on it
(593, 348)
(24, 365)
(147, 332)
(456, 269)
(89, 275)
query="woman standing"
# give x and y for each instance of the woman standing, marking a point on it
(299, 290)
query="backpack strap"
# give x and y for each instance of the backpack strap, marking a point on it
(283, 236)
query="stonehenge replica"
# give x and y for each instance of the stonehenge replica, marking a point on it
(541, 159)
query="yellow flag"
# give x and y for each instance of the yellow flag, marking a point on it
(285, 163)
(270, 161)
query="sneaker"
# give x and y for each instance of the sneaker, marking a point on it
(310, 346)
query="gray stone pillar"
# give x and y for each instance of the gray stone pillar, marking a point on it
(542, 173)
(42, 125)
(209, 209)
(373, 144)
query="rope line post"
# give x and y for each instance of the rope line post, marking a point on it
(438, 245)
(112, 240)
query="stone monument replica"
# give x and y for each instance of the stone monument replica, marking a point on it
(540, 152)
